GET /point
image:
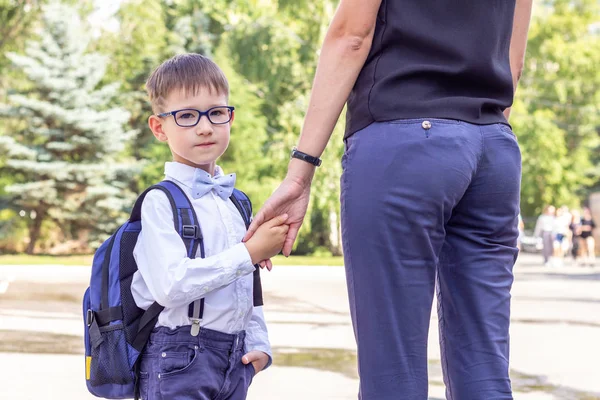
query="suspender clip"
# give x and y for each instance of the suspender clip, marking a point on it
(195, 326)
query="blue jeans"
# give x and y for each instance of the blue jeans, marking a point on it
(431, 207)
(178, 366)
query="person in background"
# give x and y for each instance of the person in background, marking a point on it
(560, 232)
(588, 242)
(575, 228)
(565, 222)
(544, 228)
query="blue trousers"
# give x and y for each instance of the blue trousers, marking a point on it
(431, 206)
(178, 366)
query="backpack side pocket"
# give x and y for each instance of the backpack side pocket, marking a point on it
(107, 365)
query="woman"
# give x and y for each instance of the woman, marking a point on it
(430, 188)
(588, 242)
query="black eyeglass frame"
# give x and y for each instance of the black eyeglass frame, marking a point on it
(200, 115)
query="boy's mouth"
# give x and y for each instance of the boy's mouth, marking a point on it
(207, 144)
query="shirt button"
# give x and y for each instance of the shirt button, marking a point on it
(426, 125)
(164, 355)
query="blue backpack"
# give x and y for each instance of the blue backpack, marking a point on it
(116, 330)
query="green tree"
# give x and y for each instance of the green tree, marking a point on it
(16, 21)
(558, 111)
(65, 152)
(276, 48)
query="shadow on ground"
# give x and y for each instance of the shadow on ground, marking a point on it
(344, 362)
(334, 360)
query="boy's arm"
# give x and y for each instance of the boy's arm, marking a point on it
(257, 337)
(172, 278)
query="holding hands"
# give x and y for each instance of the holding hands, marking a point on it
(290, 200)
(268, 239)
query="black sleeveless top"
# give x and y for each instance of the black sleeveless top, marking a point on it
(436, 58)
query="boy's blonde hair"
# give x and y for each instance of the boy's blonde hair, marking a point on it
(187, 72)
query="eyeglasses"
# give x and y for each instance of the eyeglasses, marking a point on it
(188, 117)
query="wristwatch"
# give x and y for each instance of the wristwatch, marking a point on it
(305, 157)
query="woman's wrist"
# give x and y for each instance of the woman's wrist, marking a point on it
(300, 172)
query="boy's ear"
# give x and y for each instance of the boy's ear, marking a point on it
(232, 118)
(155, 124)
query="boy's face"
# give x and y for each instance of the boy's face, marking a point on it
(197, 146)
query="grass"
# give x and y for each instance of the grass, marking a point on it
(308, 260)
(24, 259)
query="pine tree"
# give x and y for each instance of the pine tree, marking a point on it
(67, 150)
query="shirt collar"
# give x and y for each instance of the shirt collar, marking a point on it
(185, 174)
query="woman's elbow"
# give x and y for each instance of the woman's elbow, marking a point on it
(358, 43)
(352, 43)
(355, 36)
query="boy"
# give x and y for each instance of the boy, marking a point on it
(189, 95)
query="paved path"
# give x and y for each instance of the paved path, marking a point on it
(555, 334)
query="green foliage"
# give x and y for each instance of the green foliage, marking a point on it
(64, 152)
(16, 21)
(245, 155)
(557, 115)
(268, 50)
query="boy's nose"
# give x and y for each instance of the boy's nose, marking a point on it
(204, 126)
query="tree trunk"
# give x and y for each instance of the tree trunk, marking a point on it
(34, 230)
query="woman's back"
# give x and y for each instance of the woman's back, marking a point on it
(436, 58)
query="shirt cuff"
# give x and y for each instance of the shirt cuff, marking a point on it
(241, 260)
(265, 349)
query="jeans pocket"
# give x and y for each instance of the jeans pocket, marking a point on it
(175, 362)
(203, 377)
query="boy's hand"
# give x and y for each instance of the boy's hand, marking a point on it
(268, 239)
(258, 359)
(290, 198)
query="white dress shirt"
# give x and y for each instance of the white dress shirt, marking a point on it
(223, 278)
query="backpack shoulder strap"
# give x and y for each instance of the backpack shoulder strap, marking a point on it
(186, 224)
(184, 216)
(244, 205)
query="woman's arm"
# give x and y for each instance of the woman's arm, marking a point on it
(343, 54)
(518, 42)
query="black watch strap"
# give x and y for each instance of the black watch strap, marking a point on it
(305, 157)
